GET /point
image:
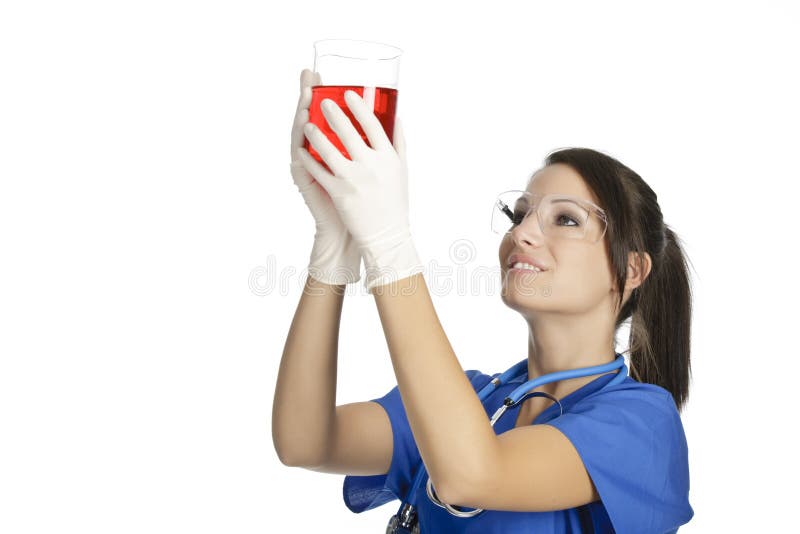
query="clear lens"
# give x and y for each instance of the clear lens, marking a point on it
(558, 216)
(563, 218)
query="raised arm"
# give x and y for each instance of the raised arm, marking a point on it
(305, 393)
(446, 417)
(308, 429)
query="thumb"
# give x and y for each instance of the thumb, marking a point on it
(399, 141)
(302, 179)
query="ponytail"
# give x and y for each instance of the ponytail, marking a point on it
(661, 323)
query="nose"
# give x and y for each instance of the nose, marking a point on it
(528, 232)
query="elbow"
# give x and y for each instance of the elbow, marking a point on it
(455, 489)
(294, 449)
(459, 486)
(452, 493)
(284, 455)
(292, 457)
(297, 461)
(286, 459)
(445, 494)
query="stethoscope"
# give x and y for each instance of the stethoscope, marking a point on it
(405, 520)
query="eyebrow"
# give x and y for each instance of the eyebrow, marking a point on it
(570, 199)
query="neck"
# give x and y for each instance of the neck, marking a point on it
(563, 342)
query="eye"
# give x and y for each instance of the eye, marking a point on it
(563, 217)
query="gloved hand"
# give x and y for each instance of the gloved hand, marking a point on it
(370, 191)
(335, 258)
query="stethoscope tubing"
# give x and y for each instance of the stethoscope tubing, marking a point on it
(517, 396)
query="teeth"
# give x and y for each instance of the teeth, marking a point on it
(520, 265)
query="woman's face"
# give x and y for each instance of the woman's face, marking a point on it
(577, 276)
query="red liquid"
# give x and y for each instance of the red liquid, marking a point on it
(385, 107)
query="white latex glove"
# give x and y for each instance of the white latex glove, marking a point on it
(370, 191)
(335, 258)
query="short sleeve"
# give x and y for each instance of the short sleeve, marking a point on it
(633, 446)
(363, 493)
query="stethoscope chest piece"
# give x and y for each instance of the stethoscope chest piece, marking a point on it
(404, 522)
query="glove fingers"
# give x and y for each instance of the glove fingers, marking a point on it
(318, 172)
(344, 129)
(329, 153)
(316, 197)
(369, 122)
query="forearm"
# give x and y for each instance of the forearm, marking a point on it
(446, 417)
(303, 410)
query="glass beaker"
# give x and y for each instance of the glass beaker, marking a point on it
(370, 69)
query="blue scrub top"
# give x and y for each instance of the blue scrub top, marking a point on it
(629, 436)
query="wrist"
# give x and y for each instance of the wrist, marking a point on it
(335, 259)
(390, 261)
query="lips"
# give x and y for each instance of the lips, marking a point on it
(521, 258)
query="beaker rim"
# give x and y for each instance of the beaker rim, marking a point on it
(389, 51)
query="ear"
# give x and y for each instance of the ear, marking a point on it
(639, 265)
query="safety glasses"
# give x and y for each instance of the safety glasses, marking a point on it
(559, 216)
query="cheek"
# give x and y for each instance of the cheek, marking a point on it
(582, 274)
(504, 250)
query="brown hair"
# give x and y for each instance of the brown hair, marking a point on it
(661, 307)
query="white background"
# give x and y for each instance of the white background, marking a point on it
(144, 154)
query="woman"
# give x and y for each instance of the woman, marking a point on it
(609, 456)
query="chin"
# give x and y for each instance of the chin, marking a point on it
(526, 294)
(524, 299)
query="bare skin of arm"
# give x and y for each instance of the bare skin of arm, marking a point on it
(530, 468)
(308, 429)
(538, 466)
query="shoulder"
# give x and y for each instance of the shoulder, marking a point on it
(632, 398)
(635, 420)
(632, 443)
(645, 409)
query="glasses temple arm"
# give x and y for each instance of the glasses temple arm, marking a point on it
(504, 207)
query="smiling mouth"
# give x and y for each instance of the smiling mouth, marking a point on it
(524, 267)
